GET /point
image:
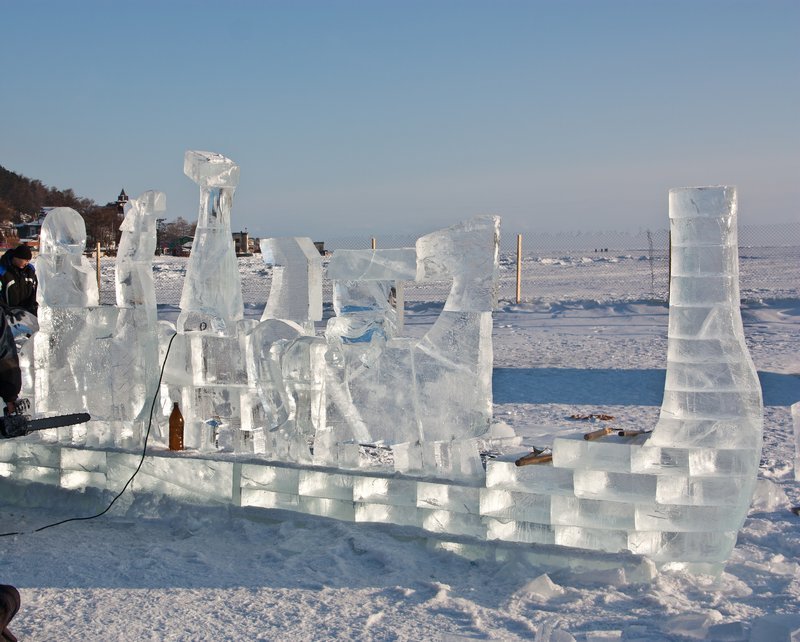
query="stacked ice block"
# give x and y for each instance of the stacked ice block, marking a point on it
(681, 495)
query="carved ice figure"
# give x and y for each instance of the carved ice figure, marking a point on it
(66, 280)
(393, 391)
(285, 360)
(72, 344)
(453, 363)
(364, 384)
(137, 245)
(296, 290)
(209, 352)
(211, 301)
(134, 357)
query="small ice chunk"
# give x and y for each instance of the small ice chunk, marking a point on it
(542, 588)
(691, 625)
(552, 631)
(768, 497)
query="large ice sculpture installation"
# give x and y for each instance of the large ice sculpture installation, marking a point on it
(273, 391)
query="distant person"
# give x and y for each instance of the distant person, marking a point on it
(18, 282)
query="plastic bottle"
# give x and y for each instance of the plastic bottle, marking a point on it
(176, 428)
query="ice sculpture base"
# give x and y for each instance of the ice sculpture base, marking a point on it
(466, 518)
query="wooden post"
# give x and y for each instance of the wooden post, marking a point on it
(374, 244)
(97, 255)
(519, 268)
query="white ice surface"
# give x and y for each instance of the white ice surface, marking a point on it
(168, 572)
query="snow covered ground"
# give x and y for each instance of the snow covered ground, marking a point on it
(158, 570)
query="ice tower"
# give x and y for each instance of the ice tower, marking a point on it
(680, 496)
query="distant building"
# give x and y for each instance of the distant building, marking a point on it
(28, 232)
(243, 244)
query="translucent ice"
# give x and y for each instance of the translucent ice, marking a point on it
(466, 253)
(135, 351)
(211, 301)
(373, 265)
(712, 393)
(296, 291)
(399, 390)
(66, 280)
(134, 267)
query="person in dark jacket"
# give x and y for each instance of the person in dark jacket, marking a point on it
(18, 282)
(10, 374)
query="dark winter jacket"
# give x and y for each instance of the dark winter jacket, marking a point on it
(10, 375)
(17, 286)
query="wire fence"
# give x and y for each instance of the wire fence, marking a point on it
(597, 266)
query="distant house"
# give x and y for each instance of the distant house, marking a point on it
(29, 231)
(243, 244)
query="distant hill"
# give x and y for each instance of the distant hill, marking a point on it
(20, 195)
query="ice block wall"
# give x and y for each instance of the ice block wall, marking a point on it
(679, 496)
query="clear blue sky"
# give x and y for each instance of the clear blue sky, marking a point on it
(378, 117)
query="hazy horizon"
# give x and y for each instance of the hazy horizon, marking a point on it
(349, 117)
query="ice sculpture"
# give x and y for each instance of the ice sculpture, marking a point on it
(296, 291)
(285, 360)
(66, 280)
(676, 495)
(74, 334)
(680, 497)
(424, 396)
(211, 301)
(207, 373)
(134, 358)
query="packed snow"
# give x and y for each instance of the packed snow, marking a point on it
(158, 570)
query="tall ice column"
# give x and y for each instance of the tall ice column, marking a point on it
(211, 301)
(712, 396)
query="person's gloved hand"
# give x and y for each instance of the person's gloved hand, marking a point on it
(22, 322)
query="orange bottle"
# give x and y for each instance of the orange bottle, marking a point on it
(176, 428)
